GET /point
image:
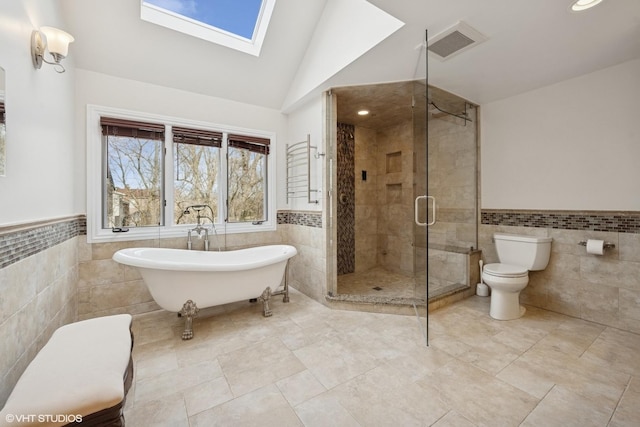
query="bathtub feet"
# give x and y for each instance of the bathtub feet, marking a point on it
(265, 297)
(189, 311)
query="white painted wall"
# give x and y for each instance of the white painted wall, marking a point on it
(574, 145)
(40, 168)
(107, 91)
(358, 21)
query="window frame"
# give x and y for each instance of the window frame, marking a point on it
(95, 158)
(183, 24)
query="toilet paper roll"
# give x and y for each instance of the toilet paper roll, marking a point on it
(595, 247)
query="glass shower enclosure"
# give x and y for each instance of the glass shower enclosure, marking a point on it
(404, 213)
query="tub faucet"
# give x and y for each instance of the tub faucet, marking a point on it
(199, 227)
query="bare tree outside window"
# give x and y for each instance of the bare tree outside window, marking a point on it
(134, 182)
(196, 170)
(246, 185)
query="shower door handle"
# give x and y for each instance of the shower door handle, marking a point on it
(415, 211)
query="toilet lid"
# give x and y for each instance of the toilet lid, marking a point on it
(505, 270)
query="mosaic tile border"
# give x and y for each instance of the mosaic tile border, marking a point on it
(304, 218)
(620, 222)
(20, 242)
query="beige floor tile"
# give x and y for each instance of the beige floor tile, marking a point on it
(586, 377)
(253, 367)
(563, 408)
(628, 410)
(480, 397)
(490, 356)
(264, 407)
(527, 377)
(453, 419)
(334, 361)
(325, 410)
(300, 387)
(617, 349)
(401, 402)
(572, 337)
(169, 411)
(176, 380)
(418, 361)
(153, 366)
(314, 366)
(151, 349)
(207, 395)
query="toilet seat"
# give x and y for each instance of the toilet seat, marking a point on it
(505, 270)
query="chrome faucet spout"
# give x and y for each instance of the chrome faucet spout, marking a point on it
(199, 228)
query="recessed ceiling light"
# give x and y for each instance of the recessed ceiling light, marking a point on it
(363, 112)
(580, 5)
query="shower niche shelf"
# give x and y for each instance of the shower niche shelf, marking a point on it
(299, 171)
(394, 162)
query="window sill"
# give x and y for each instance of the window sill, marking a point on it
(156, 233)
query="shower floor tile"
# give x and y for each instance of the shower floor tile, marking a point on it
(381, 282)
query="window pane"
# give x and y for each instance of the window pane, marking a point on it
(246, 185)
(133, 192)
(237, 17)
(196, 180)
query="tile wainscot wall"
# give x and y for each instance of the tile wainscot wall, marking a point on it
(603, 289)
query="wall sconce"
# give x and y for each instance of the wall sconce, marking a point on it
(56, 40)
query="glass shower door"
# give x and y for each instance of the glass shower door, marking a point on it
(424, 204)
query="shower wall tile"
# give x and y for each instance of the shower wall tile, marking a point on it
(345, 223)
(603, 289)
(396, 164)
(366, 199)
(452, 179)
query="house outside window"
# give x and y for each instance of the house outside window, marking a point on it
(145, 171)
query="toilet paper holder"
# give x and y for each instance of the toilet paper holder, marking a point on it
(606, 245)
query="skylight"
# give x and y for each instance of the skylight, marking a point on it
(240, 25)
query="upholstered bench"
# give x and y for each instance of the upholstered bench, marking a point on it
(82, 374)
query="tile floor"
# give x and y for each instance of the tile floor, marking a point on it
(309, 365)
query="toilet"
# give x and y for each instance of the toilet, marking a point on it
(518, 255)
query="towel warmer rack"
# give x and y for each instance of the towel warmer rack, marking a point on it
(299, 171)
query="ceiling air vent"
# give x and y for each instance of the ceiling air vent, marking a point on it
(454, 40)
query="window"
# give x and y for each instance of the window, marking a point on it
(133, 165)
(247, 177)
(144, 173)
(196, 159)
(239, 25)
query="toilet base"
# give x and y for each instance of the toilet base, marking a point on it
(506, 305)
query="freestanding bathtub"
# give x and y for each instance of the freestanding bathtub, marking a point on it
(183, 281)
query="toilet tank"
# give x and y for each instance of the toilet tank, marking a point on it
(529, 252)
